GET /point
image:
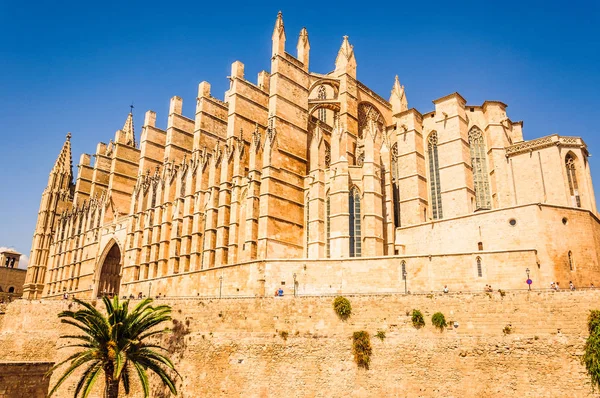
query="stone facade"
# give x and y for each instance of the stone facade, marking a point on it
(11, 277)
(234, 347)
(319, 170)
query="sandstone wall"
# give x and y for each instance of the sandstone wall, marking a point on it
(233, 347)
(23, 379)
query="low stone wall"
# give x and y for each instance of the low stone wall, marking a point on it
(24, 379)
(234, 347)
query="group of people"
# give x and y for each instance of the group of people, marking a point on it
(556, 286)
(488, 289)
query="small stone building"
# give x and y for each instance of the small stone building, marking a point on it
(312, 180)
(12, 278)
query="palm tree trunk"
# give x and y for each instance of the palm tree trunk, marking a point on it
(111, 389)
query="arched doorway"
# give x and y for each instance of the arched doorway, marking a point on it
(110, 278)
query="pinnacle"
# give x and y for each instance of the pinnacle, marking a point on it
(129, 130)
(63, 163)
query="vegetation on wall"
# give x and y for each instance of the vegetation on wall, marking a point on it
(342, 307)
(507, 329)
(361, 347)
(591, 355)
(439, 321)
(417, 319)
(284, 335)
(380, 335)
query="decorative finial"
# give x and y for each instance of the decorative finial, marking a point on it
(68, 136)
(345, 37)
(131, 107)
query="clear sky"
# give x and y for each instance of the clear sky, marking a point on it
(73, 66)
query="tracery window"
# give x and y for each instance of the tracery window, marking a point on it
(434, 176)
(327, 155)
(479, 271)
(396, 186)
(306, 223)
(328, 221)
(322, 112)
(572, 178)
(355, 219)
(480, 173)
(367, 113)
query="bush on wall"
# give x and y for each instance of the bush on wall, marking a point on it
(417, 319)
(591, 350)
(342, 307)
(361, 347)
(439, 321)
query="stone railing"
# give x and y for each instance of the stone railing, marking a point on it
(544, 142)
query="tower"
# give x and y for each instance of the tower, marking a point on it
(56, 198)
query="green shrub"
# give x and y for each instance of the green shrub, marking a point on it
(342, 307)
(439, 320)
(284, 334)
(507, 329)
(417, 319)
(591, 355)
(361, 347)
(380, 335)
(593, 321)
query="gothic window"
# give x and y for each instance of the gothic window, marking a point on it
(11, 289)
(366, 114)
(403, 270)
(395, 186)
(434, 176)
(572, 178)
(570, 256)
(355, 219)
(328, 220)
(480, 173)
(479, 272)
(306, 223)
(322, 112)
(327, 155)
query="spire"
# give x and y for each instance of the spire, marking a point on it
(398, 97)
(345, 61)
(64, 163)
(303, 48)
(278, 37)
(128, 128)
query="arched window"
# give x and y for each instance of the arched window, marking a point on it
(572, 178)
(480, 173)
(306, 223)
(321, 95)
(434, 176)
(355, 233)
(11, 289)
(327, 155)
(480, 246)
(328, 221)
(395, 186)
(570, 256)
(479, 272)
(403, 270)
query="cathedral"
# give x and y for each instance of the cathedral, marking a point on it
(315, 184)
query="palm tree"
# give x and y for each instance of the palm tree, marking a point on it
(116, 344)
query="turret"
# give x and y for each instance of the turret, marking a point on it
(303, 48)
(278, 36)
(345, 61)
(56, 198)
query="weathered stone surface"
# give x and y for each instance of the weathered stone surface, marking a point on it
(233, 347)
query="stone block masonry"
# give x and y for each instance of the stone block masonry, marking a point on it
(23, 379)
(233, 347)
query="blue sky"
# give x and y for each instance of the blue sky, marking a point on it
(72, 66)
